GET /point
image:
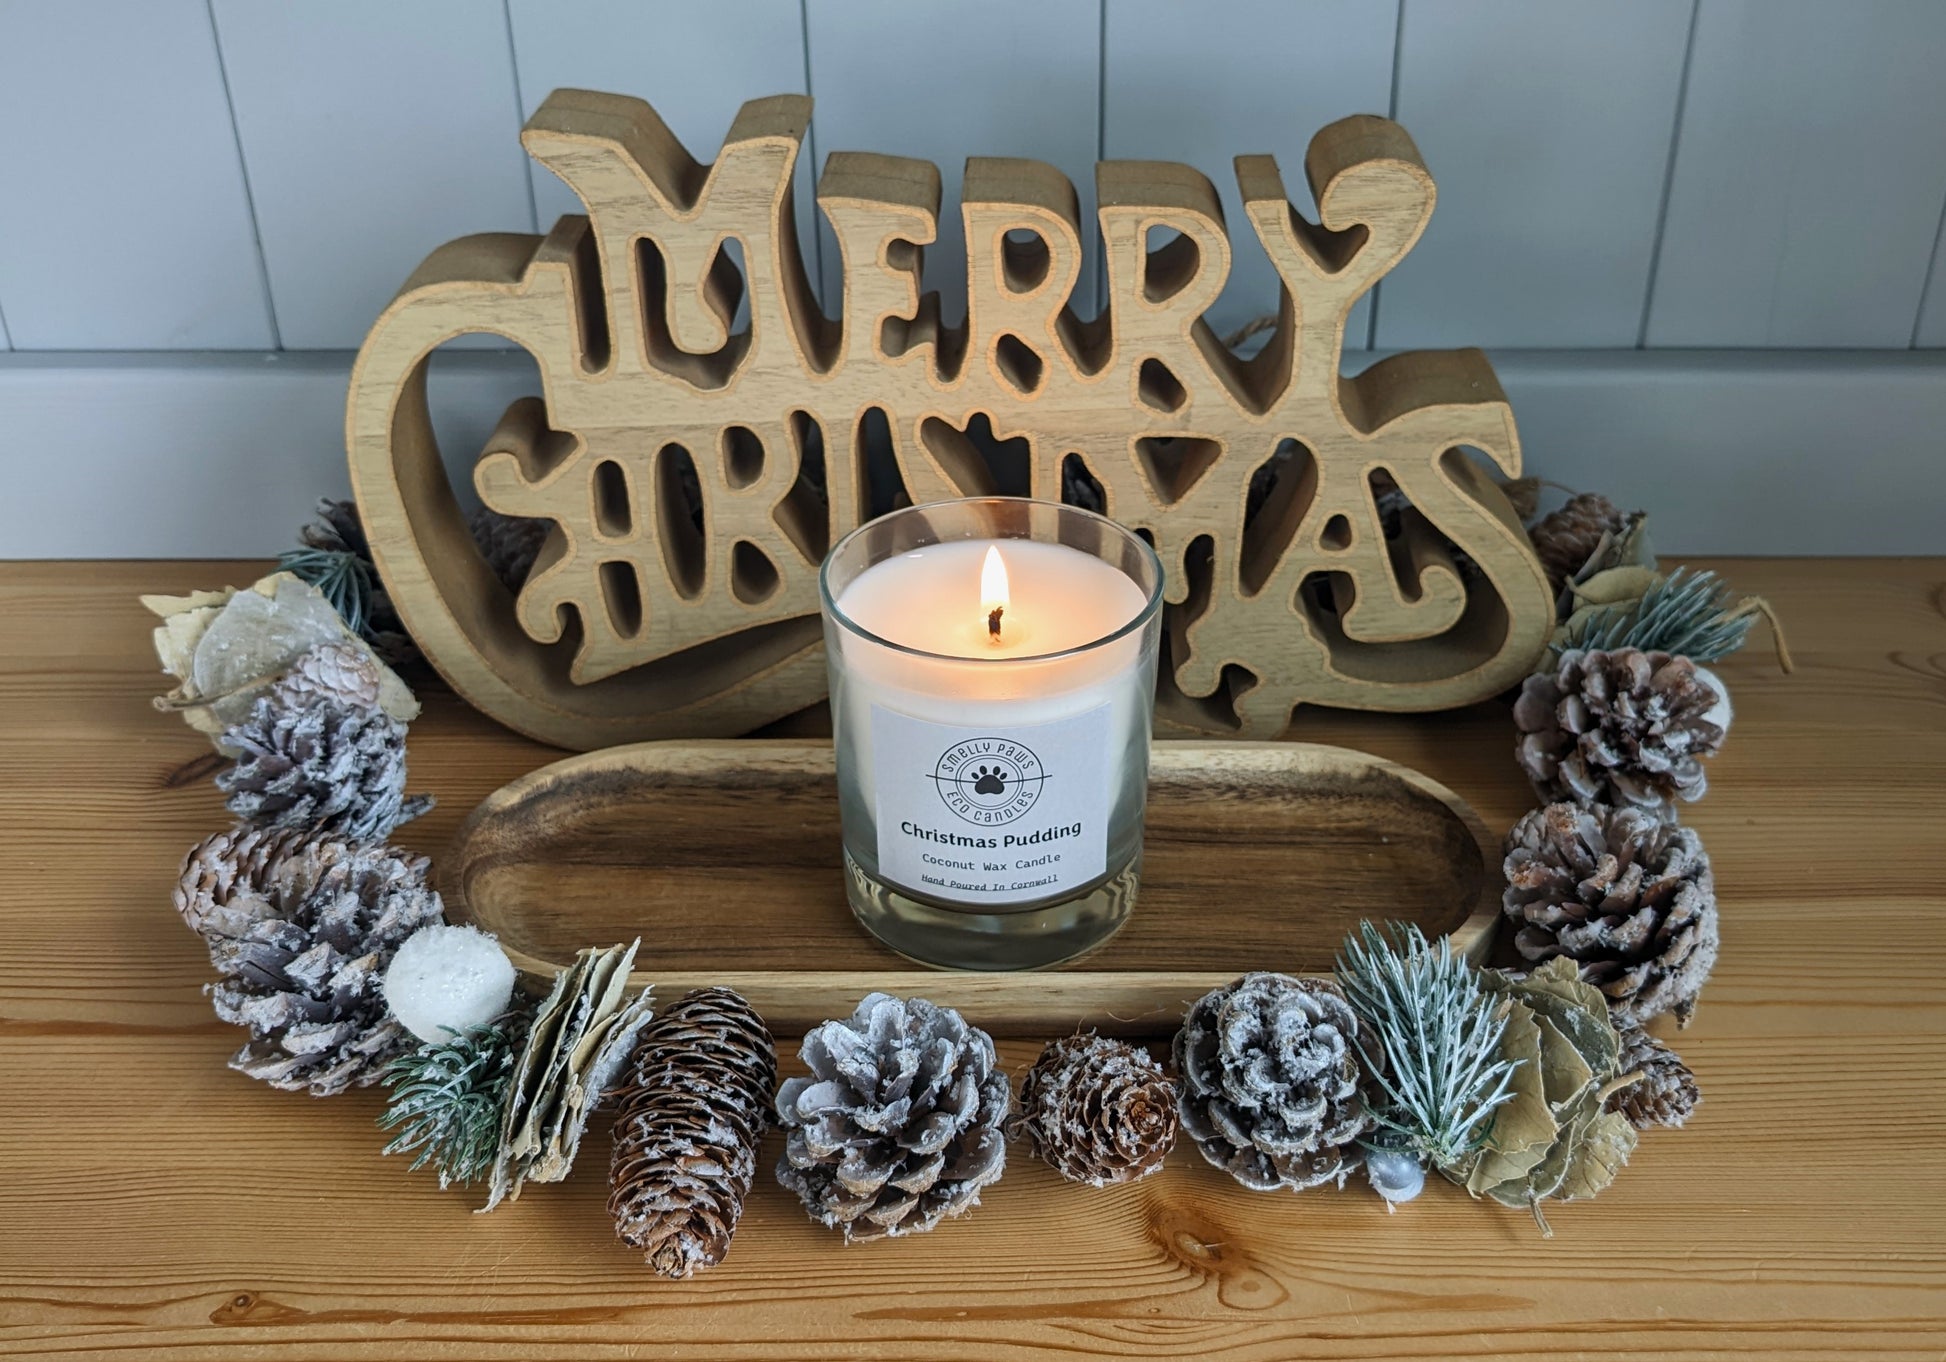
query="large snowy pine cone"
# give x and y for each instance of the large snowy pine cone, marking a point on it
(1621, 727)
(1270, 1081)
(1625, 895)
(302, 941)
(899, 1124)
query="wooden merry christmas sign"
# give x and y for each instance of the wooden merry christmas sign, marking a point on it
(1327, 540)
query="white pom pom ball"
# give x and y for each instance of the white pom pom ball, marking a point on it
(445, 980)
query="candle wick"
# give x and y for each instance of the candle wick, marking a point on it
(993, 623)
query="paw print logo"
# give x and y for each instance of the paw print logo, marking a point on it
(989, 781)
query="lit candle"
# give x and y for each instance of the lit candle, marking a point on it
(992, 681)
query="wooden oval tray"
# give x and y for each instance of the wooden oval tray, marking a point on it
(724, 857)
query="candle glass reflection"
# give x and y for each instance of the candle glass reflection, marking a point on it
(992, 665)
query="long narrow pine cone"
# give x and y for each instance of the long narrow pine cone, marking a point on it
(1099, 1111)
(900, 1123)
(1626, 896)
(1270, 1081)
(1622, 727)
(302, 932)
(692, 1112)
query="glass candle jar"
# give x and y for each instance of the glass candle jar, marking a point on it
(992, 669)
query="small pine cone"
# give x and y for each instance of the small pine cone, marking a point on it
(1625, 727)
(320, 766)
(691, 1115)
(1270, 1081)
(1566, 539)
(336, 672)
(1099, 1111)
(1626, 896)
(229, 866)
(1665, 1094)
(302, 941)
(900, 1123)
(510, 544)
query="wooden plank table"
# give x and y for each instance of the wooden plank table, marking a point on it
(153, 1203)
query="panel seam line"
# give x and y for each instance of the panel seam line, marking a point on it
(243, 171)
(1668, 179)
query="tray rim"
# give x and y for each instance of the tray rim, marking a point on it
(1122, 1002)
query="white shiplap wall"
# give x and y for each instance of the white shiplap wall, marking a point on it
(1618, 179)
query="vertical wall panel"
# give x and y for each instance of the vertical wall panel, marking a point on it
(696, 61)
(943, 81)
(124, 222)
(1547, 126)
(1810, 169)
(1931, 331)
(1245, 77)
(372, 131)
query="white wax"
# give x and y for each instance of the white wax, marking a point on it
(929, 599)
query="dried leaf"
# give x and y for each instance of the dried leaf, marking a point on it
(225, 647)
(1524, 1128)
(1616, 586)
(582, 1034)
(1605, 1143)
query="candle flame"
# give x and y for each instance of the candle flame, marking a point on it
(994, 597)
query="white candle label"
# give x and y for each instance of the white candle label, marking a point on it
(991, 815)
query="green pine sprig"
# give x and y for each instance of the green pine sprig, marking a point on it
(1687, 614)
(346, 580)
(1439, 1031)
(446, 1102)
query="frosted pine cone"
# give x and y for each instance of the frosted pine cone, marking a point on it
(1627, 897)
(310, 762)
(692, 1112)
(1665, 1094)
(302, 941)
(899, 1124)
(1270, 1081)
(336, 672)
(1099, 1111)
(230, 865)
(1621, 727)
(510, 544)
(1566, 539)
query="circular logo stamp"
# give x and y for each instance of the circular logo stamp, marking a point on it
(989, 781)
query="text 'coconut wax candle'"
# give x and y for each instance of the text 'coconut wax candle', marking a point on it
(992, 689)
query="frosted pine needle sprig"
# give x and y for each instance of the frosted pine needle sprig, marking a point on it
(1439, 1032)
(345, 579)
(1686, 614)
(446, 1102)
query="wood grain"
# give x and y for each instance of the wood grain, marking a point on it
(157, 1205)
(725, 857)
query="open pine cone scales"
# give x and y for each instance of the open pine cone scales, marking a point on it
(1564, 540)
(899, 1124)
(692, 1112)
(1623, 727)
(1627, 897)
(308, 760)
(1099, 1111)
(302, 933)
(1270, 1081)
(1666, 1093)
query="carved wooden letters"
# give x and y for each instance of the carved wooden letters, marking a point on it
(697, 468)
